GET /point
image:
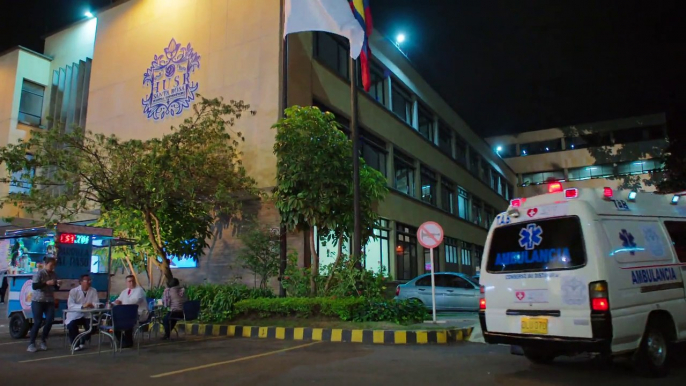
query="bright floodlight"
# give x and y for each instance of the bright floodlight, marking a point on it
(88, 14)
(400, 38)
(499, 148)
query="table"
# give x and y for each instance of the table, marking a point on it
(96, 315)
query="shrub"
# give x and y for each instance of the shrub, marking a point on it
(397, 311)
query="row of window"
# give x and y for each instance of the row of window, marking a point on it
(594, 171)
(333, 53)
(31, 103)
(605, 138)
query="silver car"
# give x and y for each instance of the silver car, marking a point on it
(454, 291)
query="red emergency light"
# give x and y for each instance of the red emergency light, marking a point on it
(571, 193)
(607, 192)
(555, 187)
(517, 202)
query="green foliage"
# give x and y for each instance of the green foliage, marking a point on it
(155, 292)
(347, 280)
(675, 167)
(346, 309)
(162, 192)
(296, 280)
(261, 253)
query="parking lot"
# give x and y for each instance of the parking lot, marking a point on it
(239, 361)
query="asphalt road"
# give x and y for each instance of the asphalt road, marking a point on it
(238, 361)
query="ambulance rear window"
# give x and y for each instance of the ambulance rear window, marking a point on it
(544, 245)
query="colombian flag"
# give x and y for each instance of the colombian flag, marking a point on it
(363, 15)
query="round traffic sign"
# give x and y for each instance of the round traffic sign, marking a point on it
(430, 234)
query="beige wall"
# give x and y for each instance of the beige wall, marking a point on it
(72, 44)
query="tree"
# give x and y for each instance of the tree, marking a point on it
(164, 192)
(675, 167)
(261, 253)
(314, 180)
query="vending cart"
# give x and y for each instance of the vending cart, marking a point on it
(78, 249)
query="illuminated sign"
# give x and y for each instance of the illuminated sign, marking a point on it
(71, 238)
(171, 89)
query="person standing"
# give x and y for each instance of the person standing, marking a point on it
(44, 284)
(81, 297)
(174, 299)
(133, 294)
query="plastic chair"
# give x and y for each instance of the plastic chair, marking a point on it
(124, 317)
(191, 311)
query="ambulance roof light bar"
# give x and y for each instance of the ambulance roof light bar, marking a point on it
(555, 187)
(572, 193)
(517, 202)
(607, 193)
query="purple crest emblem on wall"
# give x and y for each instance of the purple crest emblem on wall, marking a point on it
(171, 89)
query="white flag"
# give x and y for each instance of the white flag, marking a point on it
(333, 16)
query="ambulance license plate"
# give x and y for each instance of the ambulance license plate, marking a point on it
(535, 326)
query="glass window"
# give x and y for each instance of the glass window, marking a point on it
(332, 51)
(474, 161)
(518, 249)
(425, 125)
(374, 152)
(638, 134)
(463, 203)
(460, 150)
(677, 232)
(639, 167)
(31, 103)
(541, 147)
(489, 216)
(427, 261)
(542, 177)
(450, 252)
(445, 138)
(378, 82)
(406, 252)
(477, 211)
(424, 282)
(402, 102)
(458, 282)
(428, 186)
(447, 195)
(466, 258)
(509, 193)
(404, 174)
(588, 140)
(377, 248)
(484, 171)
(20, 182)
(594, 171)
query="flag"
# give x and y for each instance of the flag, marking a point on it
(363, 15)
(324, 15)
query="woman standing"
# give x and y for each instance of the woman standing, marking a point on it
(174, 298)
(44, 285)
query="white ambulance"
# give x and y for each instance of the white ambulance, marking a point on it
(587, 270)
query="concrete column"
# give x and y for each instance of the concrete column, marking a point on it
(435, 130)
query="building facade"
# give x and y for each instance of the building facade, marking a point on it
(135, 68)
(621, 154)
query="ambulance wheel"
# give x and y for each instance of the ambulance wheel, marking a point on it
(651, 358)
(540, 357)
(19, 326)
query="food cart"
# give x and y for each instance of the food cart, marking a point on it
(78, 249)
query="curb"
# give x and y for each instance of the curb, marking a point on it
(332, 334)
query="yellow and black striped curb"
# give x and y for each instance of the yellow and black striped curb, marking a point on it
(332, 334)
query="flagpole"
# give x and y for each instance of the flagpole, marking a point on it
(283, 103)
(355, 134)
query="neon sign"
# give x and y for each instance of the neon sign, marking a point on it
(71, 238)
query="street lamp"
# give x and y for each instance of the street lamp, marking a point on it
(400, 38)
(88, 14)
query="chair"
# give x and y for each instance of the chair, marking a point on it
(124, 317)
(191, 311)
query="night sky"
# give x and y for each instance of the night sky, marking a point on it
(505, 66)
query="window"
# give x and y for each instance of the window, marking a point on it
(639, 167)
(20, 182)
(378, 82)
(478, 255)
(677, 232)
(445, 138)
(490, 215)
(638, 134)
(447, 196)
(500, 182)
(425, 125)
(377, 248)
(31, 103)
(460, 150)
(594, 171)
(463, 203)
(473, 161)
(406, 252)
(427, 261)
(402, 102)
(494, 180)
(450, 253)
(541, 147)
(542, 177)
(588, 140)
(428, 186)
(374, 151)
(332, 51)
(458, 282)
(466, 258)
(404, 174)
(477, 211)
(509, 193)
(484, 171)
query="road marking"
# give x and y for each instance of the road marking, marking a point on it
(232, 361)
(5, 344)
(109, 351)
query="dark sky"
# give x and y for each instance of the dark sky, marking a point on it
(505, 66)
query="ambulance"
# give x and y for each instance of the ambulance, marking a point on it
(587, 271)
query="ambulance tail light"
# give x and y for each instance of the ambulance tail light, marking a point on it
(607, 193)
(572, 193)
(599, 295)
(397, 291)
(482, 299)
(555, 187)
(517, 202)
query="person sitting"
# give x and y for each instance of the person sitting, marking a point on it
(133, 294)
(174, 298)
(81, 297)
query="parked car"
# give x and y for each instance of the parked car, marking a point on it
(475, 278)
(454, 291)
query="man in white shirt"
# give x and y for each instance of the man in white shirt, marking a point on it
(133, 294)
(81, 297)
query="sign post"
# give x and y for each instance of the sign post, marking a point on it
(430, 235)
